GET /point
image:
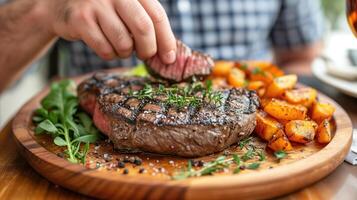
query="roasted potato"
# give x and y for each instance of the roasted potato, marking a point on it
(279, 141)
(258, 86)
(303, 96)
(323, 134)
(260, 75)
(251, 64)
(275, 71)
(222, 68)
(301, 131)
(261, 92)
(283, 121)
(236, 78)
(264, 102)
(263, 65)
(280, 85)
(219, 82)
(255, 85)
(266, 126)
(282, 110)
(321, 111)
(242, 66)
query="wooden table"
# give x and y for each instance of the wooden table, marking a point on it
(19, 181)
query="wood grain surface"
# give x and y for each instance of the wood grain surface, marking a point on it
(18, 180)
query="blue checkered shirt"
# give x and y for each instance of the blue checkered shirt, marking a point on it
(225, 29)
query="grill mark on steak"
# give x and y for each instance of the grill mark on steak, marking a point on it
(154, 126)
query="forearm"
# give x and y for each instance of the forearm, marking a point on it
(22, 38)
(298, 60)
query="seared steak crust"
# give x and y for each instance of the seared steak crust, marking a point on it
(153, 126)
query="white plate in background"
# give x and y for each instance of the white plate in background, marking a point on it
(319, 70)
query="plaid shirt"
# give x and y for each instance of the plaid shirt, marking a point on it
(225, 29)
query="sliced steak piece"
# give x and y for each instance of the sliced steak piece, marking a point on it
(151, 125)
(188, 64)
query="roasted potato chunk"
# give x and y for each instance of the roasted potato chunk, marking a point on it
(236, 78)
(280, 85)
(264, 102)
(279, 141)
(261, 92)
(259, 75)
(222, 68)
(323, 134)
(283, 110)
(303, 96)
(301, 131)
(266, 126)
(219, 82)
(275, 71)
(321, 111)
(258, 86)
(255, 85)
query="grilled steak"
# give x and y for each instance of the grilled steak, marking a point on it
(188, 63)
(151, 125)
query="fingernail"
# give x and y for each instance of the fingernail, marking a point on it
(169, 57)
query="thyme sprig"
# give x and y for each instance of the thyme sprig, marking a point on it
(222, 162)
(219, 164)
(191, 95)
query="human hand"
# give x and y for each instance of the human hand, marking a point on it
(114, 28)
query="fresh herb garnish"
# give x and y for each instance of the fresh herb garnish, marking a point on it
(244, 142)
(248, 155)
(253, 166)
(280, 154)
(218, 165)
(261, 155)
(244, 66)
(257, 71)
(236, 159)
(58, 116)
(193, 94)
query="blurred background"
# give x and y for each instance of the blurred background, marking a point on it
(337, 40)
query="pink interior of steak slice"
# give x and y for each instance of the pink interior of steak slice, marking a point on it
(188, 63)
(100, 120)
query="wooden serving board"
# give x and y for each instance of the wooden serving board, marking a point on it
(98, 178)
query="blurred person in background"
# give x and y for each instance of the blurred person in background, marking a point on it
(102, 34)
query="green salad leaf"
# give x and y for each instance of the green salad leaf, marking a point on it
(59, 117)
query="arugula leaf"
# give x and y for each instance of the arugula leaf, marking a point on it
(53, 117)
(58, 117)
(59, 141)
(86, 138)
(48, 126)
(37, 119)
(85, 120)
(41, 112)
